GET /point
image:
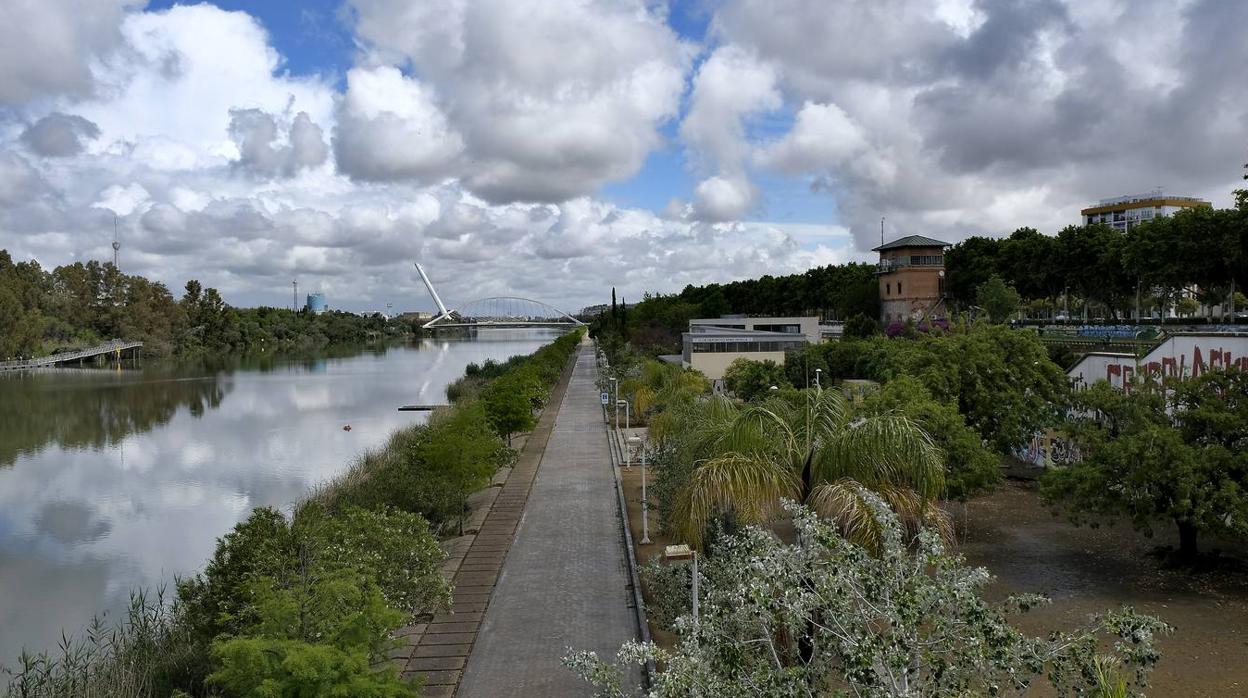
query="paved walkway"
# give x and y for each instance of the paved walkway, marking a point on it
(564, 582)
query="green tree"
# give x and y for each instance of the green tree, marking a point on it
(825, 616)
(317, 634)
(750, 380)
(860, 327)
(970, 466)
(808, 446)
(968, 265)
(509, 405)
(1187, 306)
(998, 298)
(1149, 456)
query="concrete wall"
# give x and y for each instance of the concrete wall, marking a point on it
(920, 288)
(713, 364)
(1184, 356)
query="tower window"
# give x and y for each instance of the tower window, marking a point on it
(899, 288)
(888, 289)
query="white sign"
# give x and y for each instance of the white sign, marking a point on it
(606, 397)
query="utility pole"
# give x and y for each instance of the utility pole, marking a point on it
(294, 296)
(116, 242)
(881, 231)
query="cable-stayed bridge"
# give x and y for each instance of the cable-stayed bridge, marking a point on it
(496, 311)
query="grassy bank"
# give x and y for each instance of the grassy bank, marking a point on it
(307, 604)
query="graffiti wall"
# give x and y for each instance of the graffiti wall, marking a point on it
(1181, 356)
(1047, 449)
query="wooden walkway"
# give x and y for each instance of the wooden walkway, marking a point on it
(66, 357)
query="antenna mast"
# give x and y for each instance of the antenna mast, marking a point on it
(881, 231)
(294, 296)
(116, 242)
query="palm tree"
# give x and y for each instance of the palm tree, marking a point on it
(809, 447)
(662, 388)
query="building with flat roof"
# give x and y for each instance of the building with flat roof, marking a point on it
(1122, 212)
(316, 303)
(712, 344)
(912, 279)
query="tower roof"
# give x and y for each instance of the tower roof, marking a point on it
(910, 241)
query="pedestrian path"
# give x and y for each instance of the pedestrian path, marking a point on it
(563, 581)
(438, 649)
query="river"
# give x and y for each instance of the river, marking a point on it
(116, 479)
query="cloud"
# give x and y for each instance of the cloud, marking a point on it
(256, 134)
(730, 85)
(391, 127)
(478, 136)
(719, 199)
(823, 136)
(551, 98)
(19, 181)
(47, 48)
(954, 119)
(59, 135)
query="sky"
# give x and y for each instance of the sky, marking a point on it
(553, 149)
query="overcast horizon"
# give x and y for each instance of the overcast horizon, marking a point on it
(555, 148)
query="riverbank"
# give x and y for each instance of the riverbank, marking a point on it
(426, 471)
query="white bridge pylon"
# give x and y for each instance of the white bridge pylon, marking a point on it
(497, 311)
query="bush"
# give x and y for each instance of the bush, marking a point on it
(318, 633)
(751, 380)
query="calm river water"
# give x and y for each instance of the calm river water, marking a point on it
(111, 480)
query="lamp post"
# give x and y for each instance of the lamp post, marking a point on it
(818, 371)
(645, 503)
(695, 594)
(628, 460)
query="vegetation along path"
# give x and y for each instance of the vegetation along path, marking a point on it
(564, 582)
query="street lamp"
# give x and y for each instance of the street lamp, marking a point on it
(645, 503)
(627, 412)
(773, 388)
(817, 385)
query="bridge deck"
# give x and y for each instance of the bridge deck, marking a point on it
(64, 357)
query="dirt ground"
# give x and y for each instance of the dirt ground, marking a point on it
(1086, 570)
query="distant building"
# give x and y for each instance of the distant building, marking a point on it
(912, 279)
(316, 303)
(1122, 212)
(416, 316)
(711, 345)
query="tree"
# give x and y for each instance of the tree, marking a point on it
(509, 404)
(970, 466)
(969, 264)
(750, 380)
(998, 298)
(801, 619)
(1150, 455)
(809, 446)
(860, 327)
(1187, 306)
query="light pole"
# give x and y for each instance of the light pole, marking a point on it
(628, 460)
(695, 594)
(645, 504)
(817, 385)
